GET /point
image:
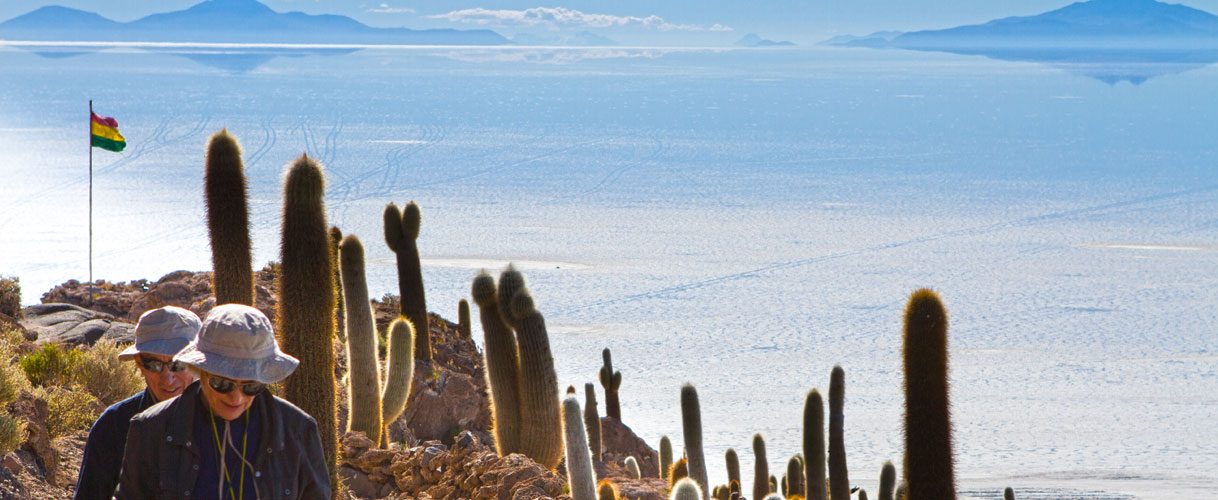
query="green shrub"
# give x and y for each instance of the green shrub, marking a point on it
(69, 409)
(100, 373)
(12, 381)
(12, 431)
(10, 296)
(50, 365)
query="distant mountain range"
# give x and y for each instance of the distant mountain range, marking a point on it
(1100, 24)
(755, 40)
(228, 21)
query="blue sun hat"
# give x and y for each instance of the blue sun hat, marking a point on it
(163, 331)
(237, 342)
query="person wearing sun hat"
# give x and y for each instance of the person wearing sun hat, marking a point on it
(159, 335)
(227, 436)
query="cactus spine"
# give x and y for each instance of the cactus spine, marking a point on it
(541, 435)
(632, 468)
(401, 233)
(463, 324)
(228, 221)
(733, 466)
(307, 302)
(691, 423)
(928, 430)
(665, 456)
(395, 391)
(761, 469)
(839, 480)
(580, 475)
(795, 477)
(611, 380)
(592, 421)
(364, 377)
(888, 478)
(687, 489)
(502, 365)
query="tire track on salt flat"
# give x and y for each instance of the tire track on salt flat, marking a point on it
(988, 228)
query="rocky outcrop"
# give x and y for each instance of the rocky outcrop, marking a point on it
(74, 325)
(620, 442)
(36, 452)
(128, 300)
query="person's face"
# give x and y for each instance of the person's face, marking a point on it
(169, 381)
(231, 404)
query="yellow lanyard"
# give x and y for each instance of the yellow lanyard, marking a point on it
(223, 465)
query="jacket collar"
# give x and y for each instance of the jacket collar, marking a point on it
(182, 416)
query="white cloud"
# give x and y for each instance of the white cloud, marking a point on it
(554, 17)
(386, 9)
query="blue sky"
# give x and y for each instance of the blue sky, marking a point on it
(630, 21)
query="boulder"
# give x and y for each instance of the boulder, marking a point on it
(74, 325)
(619, 442)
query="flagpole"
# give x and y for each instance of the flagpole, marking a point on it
(90, 201)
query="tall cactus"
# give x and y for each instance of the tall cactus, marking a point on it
(502, 365)
(733, 466)
(691, 424)
(363, 368)
(795, 477)
(581, 477)
(839, 478)
(228, 221)
(592, 421)
(665, 456)
(541, 435)
(399, 365)
(761, 469)
(401, 233)
(307, 302)
(928, 429)
(611, 380)
(463, 324)
(687, 489)
(814, 446)
(888, 480)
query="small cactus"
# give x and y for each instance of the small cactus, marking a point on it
(761, 470)
(632, 468)
(862, 494)
(691, 422)
(605, 490)
(678, 471)
(463, 324)
(839, 480)
(581, 477)
(928, 430)
(401, 233)
(665, 456)
(733, 467)
(773, 484)
(592, 421)
(1008, 494)
(888, 478)
(795, 477)
(611, 380)
(687, 489)
(228, 221)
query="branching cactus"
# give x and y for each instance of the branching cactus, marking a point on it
(401, 233)
(463, 324)
(888, 480)
(687, 489)
(814, 446)
(228, 221)
(928, 431)
(691, 423)
(592, 421)
(665, 456)
(761, 469)
(502, 365)
(581, 477)
(307, 302)
(364, 373)
(733, 466)
(611, 380)
(839, 480)
(541, 435)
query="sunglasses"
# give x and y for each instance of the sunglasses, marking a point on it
(157, 366)
(225, 386)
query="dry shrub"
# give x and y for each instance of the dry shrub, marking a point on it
(99, 372)
(12, 381)
(68, 409)
(10, 296)
(50, 365)
(12, 431)
(10, 338)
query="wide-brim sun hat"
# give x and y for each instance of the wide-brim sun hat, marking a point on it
(163, 331)
(237, 342)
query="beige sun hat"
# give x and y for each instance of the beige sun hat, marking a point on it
(237, 342)
(163, 331)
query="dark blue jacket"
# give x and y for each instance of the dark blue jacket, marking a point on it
(103, 457)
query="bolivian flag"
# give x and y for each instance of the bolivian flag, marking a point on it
(105, 134)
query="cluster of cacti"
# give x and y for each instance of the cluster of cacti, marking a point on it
(401, 233)
(691, 424)
(307, 301)
(611, 380)
(665, 456)
(928, 439)
(374, 403)
(520, 369)
(228, 221)
(581, 477)
(592, 421)
(761, 468)
(839, 480)
(632, 468)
